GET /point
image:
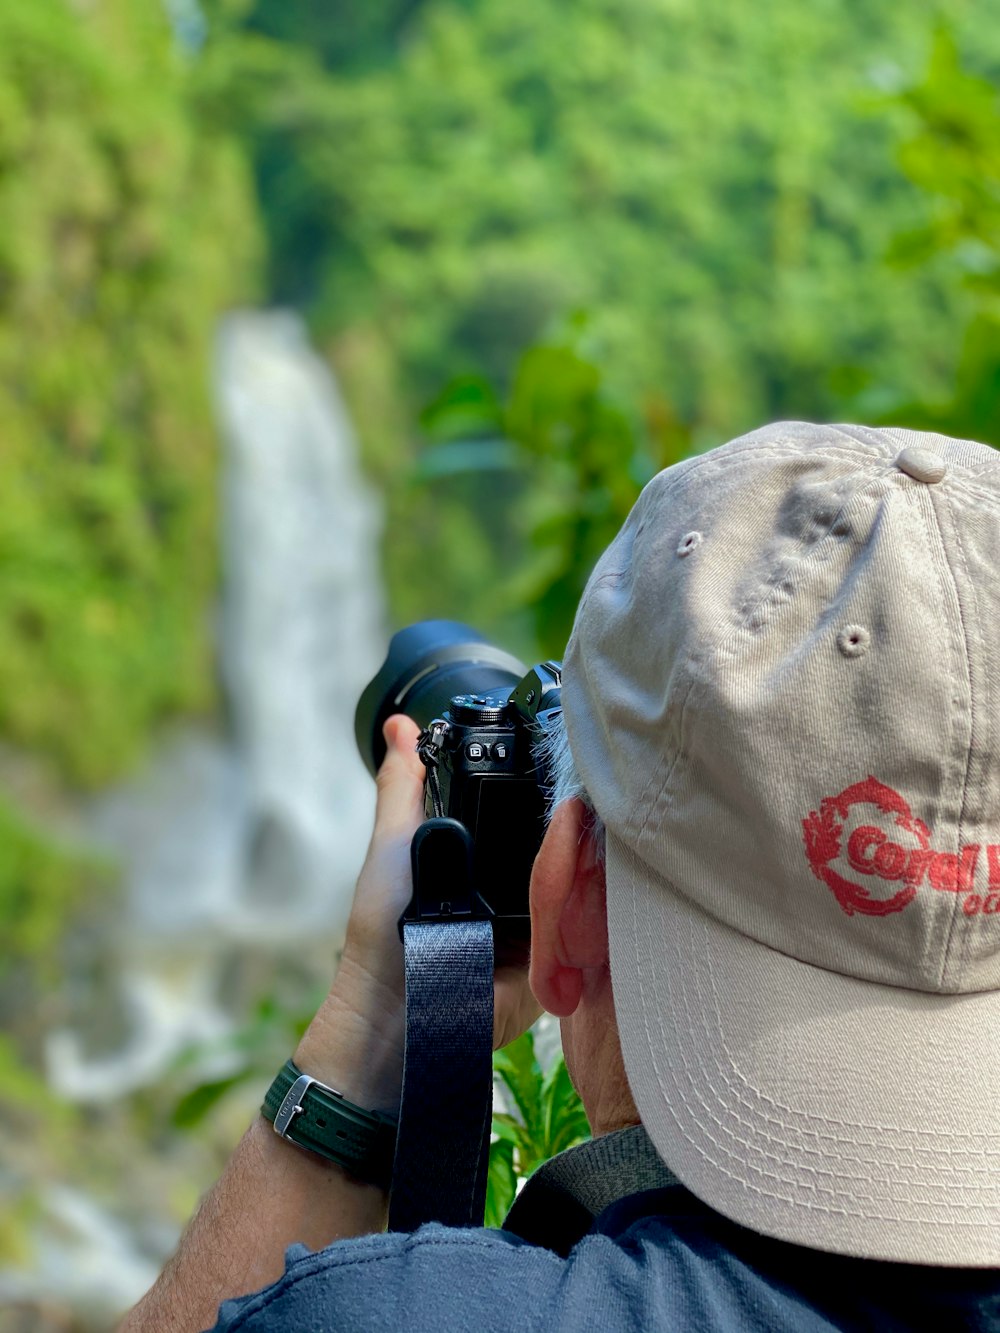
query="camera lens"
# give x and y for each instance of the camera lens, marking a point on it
(426, 666)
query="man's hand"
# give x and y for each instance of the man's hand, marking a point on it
(363, 1016)
(355, 1042)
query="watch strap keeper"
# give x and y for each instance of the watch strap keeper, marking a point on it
(322, 1120)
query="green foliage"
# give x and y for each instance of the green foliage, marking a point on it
(251, 1054)
(679, 169)
(36, 1127)
(125, 228)
(40, 885)
(953, 154)
(580, 458)
(113, 209)
(549, 1118)
(361, 34)
(444, 182)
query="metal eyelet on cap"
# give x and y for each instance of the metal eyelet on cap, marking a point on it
(854, 640)
(921, 464)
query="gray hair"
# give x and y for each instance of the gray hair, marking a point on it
(561, 779)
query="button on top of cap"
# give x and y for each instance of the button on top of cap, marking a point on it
(921, 464)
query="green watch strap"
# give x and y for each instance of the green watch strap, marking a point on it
(318, 1118)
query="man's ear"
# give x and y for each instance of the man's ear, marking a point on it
(569, 923)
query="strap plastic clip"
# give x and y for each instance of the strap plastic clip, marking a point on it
(441, 861)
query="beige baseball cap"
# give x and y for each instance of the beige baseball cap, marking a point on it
(782, 693)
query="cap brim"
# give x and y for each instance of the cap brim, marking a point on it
(809, 1106)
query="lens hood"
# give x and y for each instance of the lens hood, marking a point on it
(426, 664)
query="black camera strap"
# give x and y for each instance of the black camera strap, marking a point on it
(445, 1114)
(443, 1140)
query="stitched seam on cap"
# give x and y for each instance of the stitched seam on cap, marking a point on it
(852, 1168)
(947, 577)
(962, 484)
(815, 1183)
(968, 631)
(932, 1135)
(924, 1141)
(674, 479)
(920, 495)
(743, 1177)
(759, 1121)
(860, 1176)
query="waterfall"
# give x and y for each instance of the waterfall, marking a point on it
(243, 839)
(254, 839)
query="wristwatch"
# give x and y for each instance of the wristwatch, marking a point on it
(310, 1114)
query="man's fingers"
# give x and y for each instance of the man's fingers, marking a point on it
(400, 780)
(514, 1007)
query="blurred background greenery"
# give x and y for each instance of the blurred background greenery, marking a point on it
(546, 250)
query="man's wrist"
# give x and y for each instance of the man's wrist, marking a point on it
(322, 1120)
(355, 1042)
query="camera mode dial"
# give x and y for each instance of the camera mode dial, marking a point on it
(476, 710)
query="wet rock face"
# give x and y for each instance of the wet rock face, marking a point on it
(240, 843)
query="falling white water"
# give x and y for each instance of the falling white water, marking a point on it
(256, 839)
(240, 843)
(247, 839)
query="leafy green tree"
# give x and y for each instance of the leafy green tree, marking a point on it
(357, 35)
(952, 153)
(698, 176)
(578, 458)
(444, 182)
(124, 230)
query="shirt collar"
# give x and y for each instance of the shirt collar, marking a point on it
(558, 1204)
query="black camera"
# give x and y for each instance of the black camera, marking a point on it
(482, 714)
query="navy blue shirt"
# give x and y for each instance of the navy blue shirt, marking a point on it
(570, 1259)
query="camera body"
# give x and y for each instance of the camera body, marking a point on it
(482, 715)
(489, 778)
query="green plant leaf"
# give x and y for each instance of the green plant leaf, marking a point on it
(507, 1128)
(564, 1117)
(467, 406)
(195, 1105)
(501, 1182)
(550, 1116)
(518, 1068)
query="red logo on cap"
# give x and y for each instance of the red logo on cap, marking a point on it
(872, 853)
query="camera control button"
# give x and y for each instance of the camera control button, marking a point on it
(477, 710)
(475, 751)
(500, 751)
